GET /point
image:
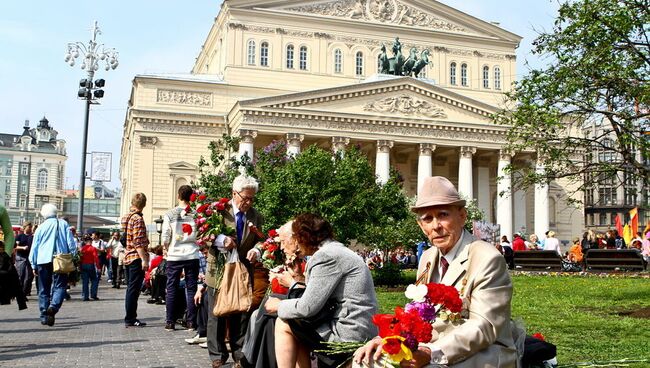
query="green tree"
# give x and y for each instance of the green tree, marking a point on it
(596, 81)
(341, 188)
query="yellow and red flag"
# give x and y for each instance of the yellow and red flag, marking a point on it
(634, 220)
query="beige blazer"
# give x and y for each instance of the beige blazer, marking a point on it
(485, 338)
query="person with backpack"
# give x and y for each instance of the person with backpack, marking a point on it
(179, 239)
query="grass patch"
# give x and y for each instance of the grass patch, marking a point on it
(579, 315)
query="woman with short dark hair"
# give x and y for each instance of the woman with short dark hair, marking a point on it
(337, 282)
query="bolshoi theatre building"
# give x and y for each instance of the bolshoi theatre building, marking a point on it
(307, 72)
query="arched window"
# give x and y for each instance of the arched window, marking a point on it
(463, 75)
(303, 58)
(338, 61)
(264, 54)
(251, 52)
(486, 77)
(359, 63)
(289, 56)
(41, 180)
(497, 78)
(452, 74)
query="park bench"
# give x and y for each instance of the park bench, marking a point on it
(613, 260)
(537, 260)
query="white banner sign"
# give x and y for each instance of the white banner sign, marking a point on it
(100, 167)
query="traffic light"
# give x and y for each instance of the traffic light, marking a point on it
(87, 91)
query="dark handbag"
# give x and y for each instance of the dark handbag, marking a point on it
(324, 316)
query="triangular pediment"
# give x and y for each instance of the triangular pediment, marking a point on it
(420, 14)
(182, 165)
(401, 98)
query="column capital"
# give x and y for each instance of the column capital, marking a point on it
(339, 144)
(248, 136)
(467, 151)
(384, 146)
(505, 155)
(426, 149)
(294, 139)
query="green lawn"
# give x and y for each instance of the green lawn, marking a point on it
(577, 314)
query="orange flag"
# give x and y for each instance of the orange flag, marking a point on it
(619, 224)
(634, 220)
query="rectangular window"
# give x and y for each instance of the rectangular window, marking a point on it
(23, 187)
(290, 57)
(22, 203)
(303, 58)
(602, 219)
(24, 170)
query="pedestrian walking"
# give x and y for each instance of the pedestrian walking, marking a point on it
(52, 237)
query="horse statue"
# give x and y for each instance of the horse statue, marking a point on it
(410, 62)
(383, 61)
(398, 60)
(420, 64)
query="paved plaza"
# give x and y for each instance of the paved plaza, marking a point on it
(92, 334)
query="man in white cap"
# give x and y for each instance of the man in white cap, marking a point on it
(477, 270)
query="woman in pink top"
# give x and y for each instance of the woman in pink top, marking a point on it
(645, 248)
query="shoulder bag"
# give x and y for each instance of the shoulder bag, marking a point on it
(62, 262)
(235, 291)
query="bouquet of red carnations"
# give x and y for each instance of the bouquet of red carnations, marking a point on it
(208, 217)
(404, 330)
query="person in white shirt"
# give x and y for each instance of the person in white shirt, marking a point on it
(182, 256)
(115, 248)
(100, 246)
(552, 243)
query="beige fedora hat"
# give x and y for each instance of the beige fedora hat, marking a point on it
(437, 191)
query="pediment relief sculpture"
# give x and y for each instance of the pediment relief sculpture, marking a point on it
(383, 11)
(406, 105)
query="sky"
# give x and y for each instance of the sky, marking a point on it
(151, 36)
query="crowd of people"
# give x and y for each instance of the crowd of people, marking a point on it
(328, 294)
(576, 251)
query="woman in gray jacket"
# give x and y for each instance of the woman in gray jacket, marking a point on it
(336, 277)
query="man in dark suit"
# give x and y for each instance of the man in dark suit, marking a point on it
(240, 216)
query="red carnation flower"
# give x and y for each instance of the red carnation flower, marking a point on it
(187, 229)
(277, 288)
(188, 209)
(202, 208)
(272, 247)
(193, 197)
(202, 197)
(273, 233)
(539, 336)
(224, 200)
(393, 346)
(388, 325)
(220, 206)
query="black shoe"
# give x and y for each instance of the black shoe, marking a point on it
(94, 298)
(50, 316)
(151, 301)
(160, 302)
(137, 323)
(67, 296)
(43, 323)
(170, 326)
(85, 299)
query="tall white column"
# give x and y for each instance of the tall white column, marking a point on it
(541, 205)
(425, 165)
(483, 191)
(247, 143)
(465, 179)
(382, 165)
(293, 143)
(339, 144)
(504, 195)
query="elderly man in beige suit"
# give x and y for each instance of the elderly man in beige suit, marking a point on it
(480, 274)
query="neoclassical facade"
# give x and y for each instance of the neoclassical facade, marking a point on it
(306, 72)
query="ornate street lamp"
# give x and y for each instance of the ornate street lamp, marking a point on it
(159, 223)
(92, 55)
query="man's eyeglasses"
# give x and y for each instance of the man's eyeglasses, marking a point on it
(245, 199)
